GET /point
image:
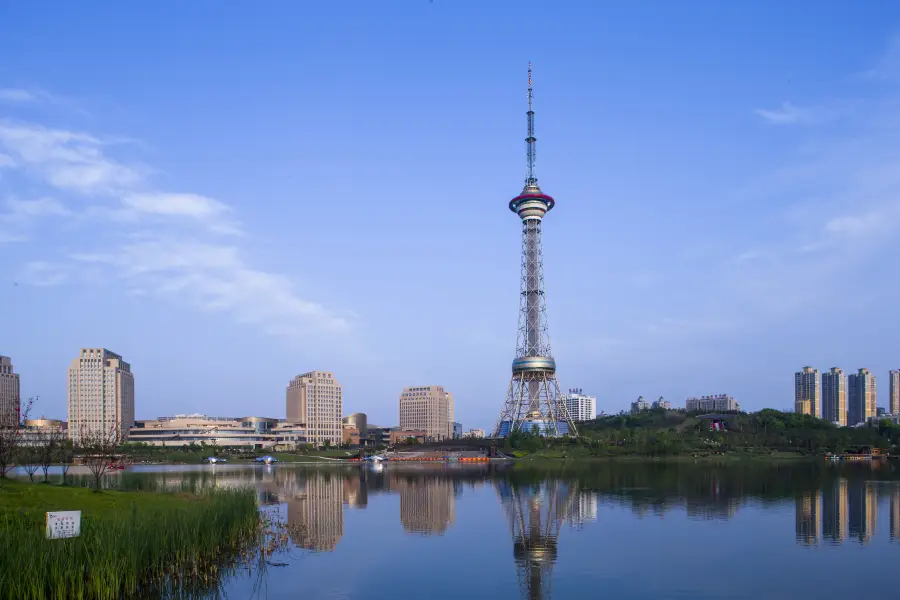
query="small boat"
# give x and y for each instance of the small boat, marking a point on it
(116, 467)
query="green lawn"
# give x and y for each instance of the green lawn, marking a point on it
(38, 498)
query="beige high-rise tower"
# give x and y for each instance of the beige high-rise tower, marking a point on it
(9, 394)
(429, 409)
(101, 393)
(315, 399)
(834, 396)
(806, 392)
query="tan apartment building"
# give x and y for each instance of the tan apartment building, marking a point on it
(100, 393)
(834, 397)
(862, 397)
(9, 394)
(806, 392)
(429, 409)
(315, 399)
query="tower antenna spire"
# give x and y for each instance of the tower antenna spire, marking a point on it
(530, 179)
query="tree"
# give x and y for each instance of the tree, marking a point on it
(48, 451)
(65, 456)
(11, 437)
(99, 446)
(29, 457)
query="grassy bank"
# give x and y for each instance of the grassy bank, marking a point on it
(132, 543)
(729, 457)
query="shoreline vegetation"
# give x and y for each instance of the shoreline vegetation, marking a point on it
(132, 544)
(674, 435)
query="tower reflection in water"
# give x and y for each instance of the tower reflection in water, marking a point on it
(535, 514)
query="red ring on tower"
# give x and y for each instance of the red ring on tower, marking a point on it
(515, 202)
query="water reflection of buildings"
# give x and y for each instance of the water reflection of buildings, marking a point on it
(427, 504)
(535, 514)
(315, 512)
(807, 518)
(843, 508)
(895, 513)
(863, 508)
(834, 511)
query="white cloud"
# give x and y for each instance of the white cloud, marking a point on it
(67, 160)
(166, 259)
(41, 273)
(6, 160)
(866, 224)
(790, 114)
(787, 113)
(41, 207)
(215, 278)
(212, 213)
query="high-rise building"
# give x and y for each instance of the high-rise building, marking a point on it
(716, 403)
(457, 430)
(834, 397)
(427, 408)
(315, 399)
(9, 394)
(101, 394)
(894, 405)
(806, 392)
(862, 397)
(581, 407)
(533, 400)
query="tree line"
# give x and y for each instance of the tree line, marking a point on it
(38, 450)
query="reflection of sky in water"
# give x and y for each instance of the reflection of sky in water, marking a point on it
(627, 530)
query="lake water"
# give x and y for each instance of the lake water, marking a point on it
(614, 530)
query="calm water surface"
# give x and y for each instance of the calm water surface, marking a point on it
(616, 530)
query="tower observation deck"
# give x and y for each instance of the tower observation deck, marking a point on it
(533, 400)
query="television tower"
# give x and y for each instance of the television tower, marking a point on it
(533, 401)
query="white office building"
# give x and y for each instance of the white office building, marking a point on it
(581, 407)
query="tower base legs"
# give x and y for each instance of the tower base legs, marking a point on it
(534, 404)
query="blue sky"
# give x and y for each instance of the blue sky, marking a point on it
(229, 196)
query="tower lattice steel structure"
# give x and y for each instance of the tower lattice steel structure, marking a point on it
(533, 401)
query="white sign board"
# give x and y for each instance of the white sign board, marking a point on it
(63, 524)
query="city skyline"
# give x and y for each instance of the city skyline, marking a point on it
(179, 210)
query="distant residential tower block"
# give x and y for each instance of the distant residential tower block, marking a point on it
(834, 397)
(862, 399)
(806, 392)
(894, 405)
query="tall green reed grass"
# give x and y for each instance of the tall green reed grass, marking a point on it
(146, 552)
